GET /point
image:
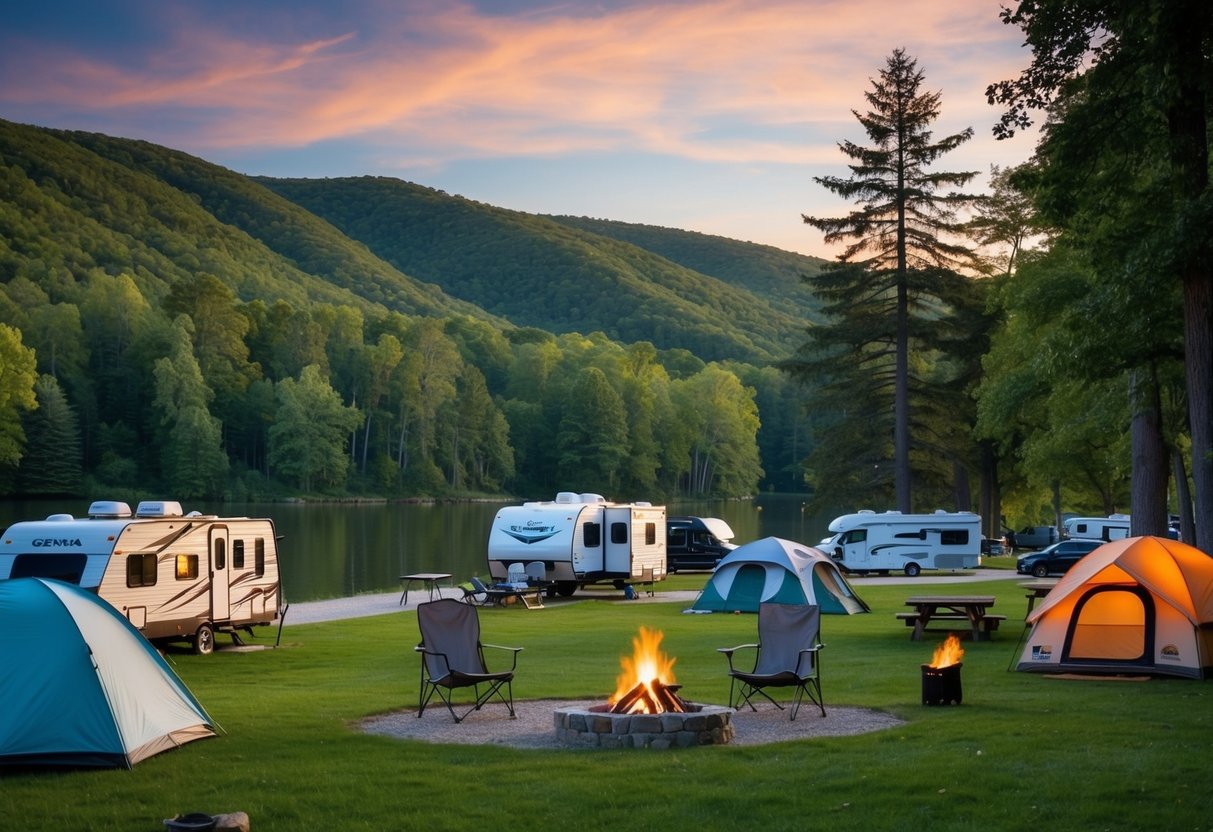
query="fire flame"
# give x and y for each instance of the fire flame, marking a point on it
(948, 653)
(647, 665)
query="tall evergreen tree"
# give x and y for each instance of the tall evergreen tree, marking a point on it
(52, 463)
(898, 243)
(17, 377)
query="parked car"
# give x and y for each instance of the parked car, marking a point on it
(1033, 537)
(696, 542)
(1056, 558)
(993, 546)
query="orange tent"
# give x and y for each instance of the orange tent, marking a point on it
(1138, 605)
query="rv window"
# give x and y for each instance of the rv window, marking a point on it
(67, 568)
(856, 536)
(1081, 528)
(237, 554)
(591, 535)
(140, 570)
(921, 534)
(954, 537)
(220, 553)
(259, 556)
(678, 537)
(187, 567)
(650, 534)
(619, 532)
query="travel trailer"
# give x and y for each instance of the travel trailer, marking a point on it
(174, 576)
(1112, 527)
(580, 539)
(697, 542)
(895, 542)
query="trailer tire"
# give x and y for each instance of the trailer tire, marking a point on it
(565, 589)
(204, 640)
(912, 569)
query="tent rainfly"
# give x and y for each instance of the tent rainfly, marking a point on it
(777, 571)
(1137, 605)
(79, 685)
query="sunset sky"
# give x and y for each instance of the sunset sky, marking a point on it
(706, 115)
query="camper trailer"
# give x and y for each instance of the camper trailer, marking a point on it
(580, 539)
(1112, 527)
(895, 542)
(175, 576)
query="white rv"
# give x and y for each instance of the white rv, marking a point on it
(892, 541)
(175, 576)
(580, 539)
(1112, 527)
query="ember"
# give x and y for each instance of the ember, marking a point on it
(646, 685)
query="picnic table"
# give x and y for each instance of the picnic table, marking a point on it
(971, 609)
(1037, 589)
(429, 580)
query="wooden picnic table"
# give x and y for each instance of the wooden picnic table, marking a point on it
(1036, 589)
(971, 609)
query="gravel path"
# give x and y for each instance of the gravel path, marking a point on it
(535, 727)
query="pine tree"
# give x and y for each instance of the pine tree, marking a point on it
(898, 248)
(52, 463)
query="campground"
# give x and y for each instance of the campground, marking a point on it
(1022, 751)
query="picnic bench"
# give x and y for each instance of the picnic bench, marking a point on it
(971, 609)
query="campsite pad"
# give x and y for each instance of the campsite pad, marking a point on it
(535, 727)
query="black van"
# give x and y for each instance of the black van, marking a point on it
(696, 542)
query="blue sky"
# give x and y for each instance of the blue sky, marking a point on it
(707, 115)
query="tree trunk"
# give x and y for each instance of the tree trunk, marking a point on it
(960, 482)
(1148, 501)
(1183, 498)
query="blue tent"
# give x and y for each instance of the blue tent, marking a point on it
(80, 686)
(777, 571)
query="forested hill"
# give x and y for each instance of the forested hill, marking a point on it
(553, 275)
(72, 202)
(768, 272)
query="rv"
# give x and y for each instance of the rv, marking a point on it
(870, 542)
(580, 539)
(175, 576)
(1112, 527)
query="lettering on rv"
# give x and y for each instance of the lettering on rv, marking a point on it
(533, 532)
(56, 542)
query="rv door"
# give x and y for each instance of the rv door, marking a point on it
(618, 534)
(221, 600)
(855, 549)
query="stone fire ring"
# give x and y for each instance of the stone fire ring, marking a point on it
(534, 726)
(597, 727)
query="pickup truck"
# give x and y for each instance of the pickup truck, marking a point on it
(1033, 537)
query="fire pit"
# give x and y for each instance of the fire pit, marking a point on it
(941, 678)
(645, 710)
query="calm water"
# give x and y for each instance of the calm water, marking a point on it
(338, 550)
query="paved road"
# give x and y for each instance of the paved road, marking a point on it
(360, 606)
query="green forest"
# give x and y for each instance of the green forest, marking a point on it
(171, 327)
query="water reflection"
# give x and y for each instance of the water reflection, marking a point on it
(337, 550)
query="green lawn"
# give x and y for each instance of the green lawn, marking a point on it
(1022, 752)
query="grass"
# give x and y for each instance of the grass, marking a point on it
(1022, 752)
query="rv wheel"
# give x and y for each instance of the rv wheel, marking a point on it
(204, 640)
(566, 588)
(912, 570)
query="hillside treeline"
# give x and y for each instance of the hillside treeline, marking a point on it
(170, 327)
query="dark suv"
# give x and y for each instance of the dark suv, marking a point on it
(696, 542)
(1056, 558)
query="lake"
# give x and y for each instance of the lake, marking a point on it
(335, 550)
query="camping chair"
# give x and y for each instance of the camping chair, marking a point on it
(786, 655)
(479, 594)
(515, 574)
(453, 657)
(536, 573)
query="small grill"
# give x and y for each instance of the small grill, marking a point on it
(941, 685)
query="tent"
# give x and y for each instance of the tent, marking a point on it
(1137, 605)
(79, 685)
(777, 571)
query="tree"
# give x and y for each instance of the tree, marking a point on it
(17, 377)
(307, 439)
(193, 462)
(724, 449)
(898, 239)
(1145, 62)
(593, 435)
(52, 462)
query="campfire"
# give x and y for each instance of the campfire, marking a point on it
(646, 685)
(941, 678)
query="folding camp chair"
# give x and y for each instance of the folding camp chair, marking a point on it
(786, 655)
(453, 657)
(478, 594)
